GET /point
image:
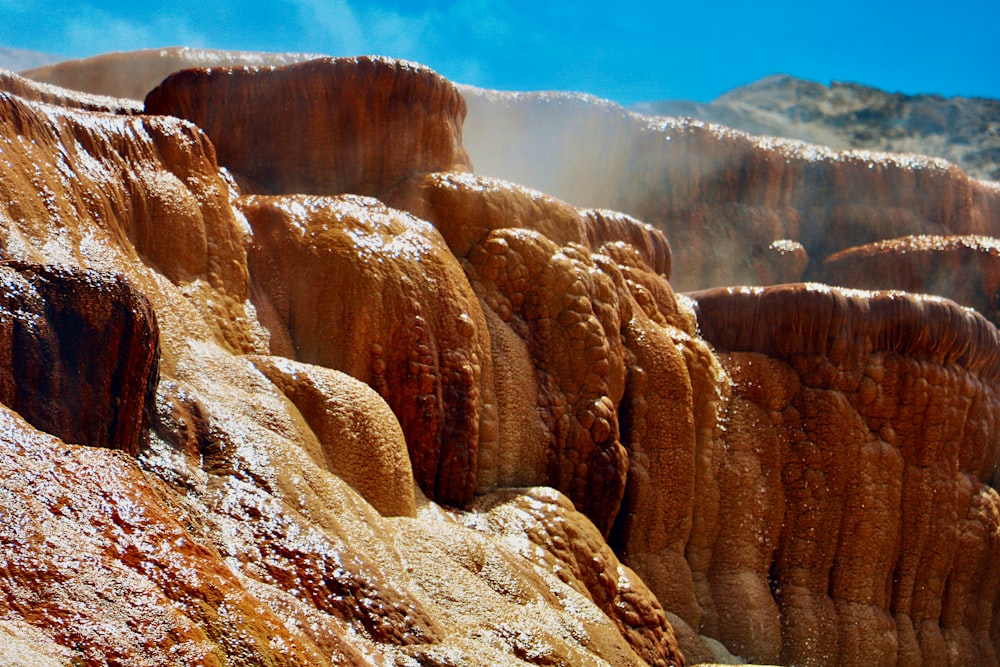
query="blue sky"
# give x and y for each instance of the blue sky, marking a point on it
(627, 52)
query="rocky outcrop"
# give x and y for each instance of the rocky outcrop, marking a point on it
(328, 126)
(965, 269)
(229, 533)
(862, 443)
(78, 353)
(41, 92)
(473, 423)
(383, 285)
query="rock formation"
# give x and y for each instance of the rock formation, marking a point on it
(355, 108)
(965, 269)
(866, 421)
(723, 198)
(405, 413)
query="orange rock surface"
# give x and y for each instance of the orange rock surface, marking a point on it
(130, 75)
(408, 414)
(868, 423)
(235, 534)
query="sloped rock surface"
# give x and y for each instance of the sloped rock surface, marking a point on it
(963, 130)
(405, 320)
(721, 197)
(965, 269)
(231, 538)
(130, 75)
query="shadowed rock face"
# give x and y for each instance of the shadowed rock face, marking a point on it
(329, 126)
(965, 269)
(79, 354)
(802, 473)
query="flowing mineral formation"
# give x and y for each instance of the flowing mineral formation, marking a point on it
(313, 392)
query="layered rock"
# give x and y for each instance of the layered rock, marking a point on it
(802, 472)
(41, 92)
(846, 115)
(233, 539)
(327, 126)
(965, 269)
(130, 75)
(862, 442)
(351, 284)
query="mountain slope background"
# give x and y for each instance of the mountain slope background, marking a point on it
(963, 130)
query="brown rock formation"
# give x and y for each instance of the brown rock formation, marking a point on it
(721, 197)
(78, 354)
(328, 126)
(41, 92)
(878, 411)
(103, 572)
(815, 489)
(232, 540)
(965, 269)
(405, 321)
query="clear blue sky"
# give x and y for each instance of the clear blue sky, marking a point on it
(627, 52)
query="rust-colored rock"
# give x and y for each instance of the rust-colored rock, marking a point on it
(353, 285)
(97, 565)
(965, 269)
(122, 195)
(357, 436)
(568, 313)
(466, 207)
(327, 126)
(577, 554)
(78, 354)
(879, 411)
(815, 488)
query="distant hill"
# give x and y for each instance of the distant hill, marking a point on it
(965, 131)
(19, 59)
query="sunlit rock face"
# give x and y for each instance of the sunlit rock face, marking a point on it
(722, 197)
(271, 515)
(409, 414)
(132, 74)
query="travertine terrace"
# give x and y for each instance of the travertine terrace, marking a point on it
(292, 375)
